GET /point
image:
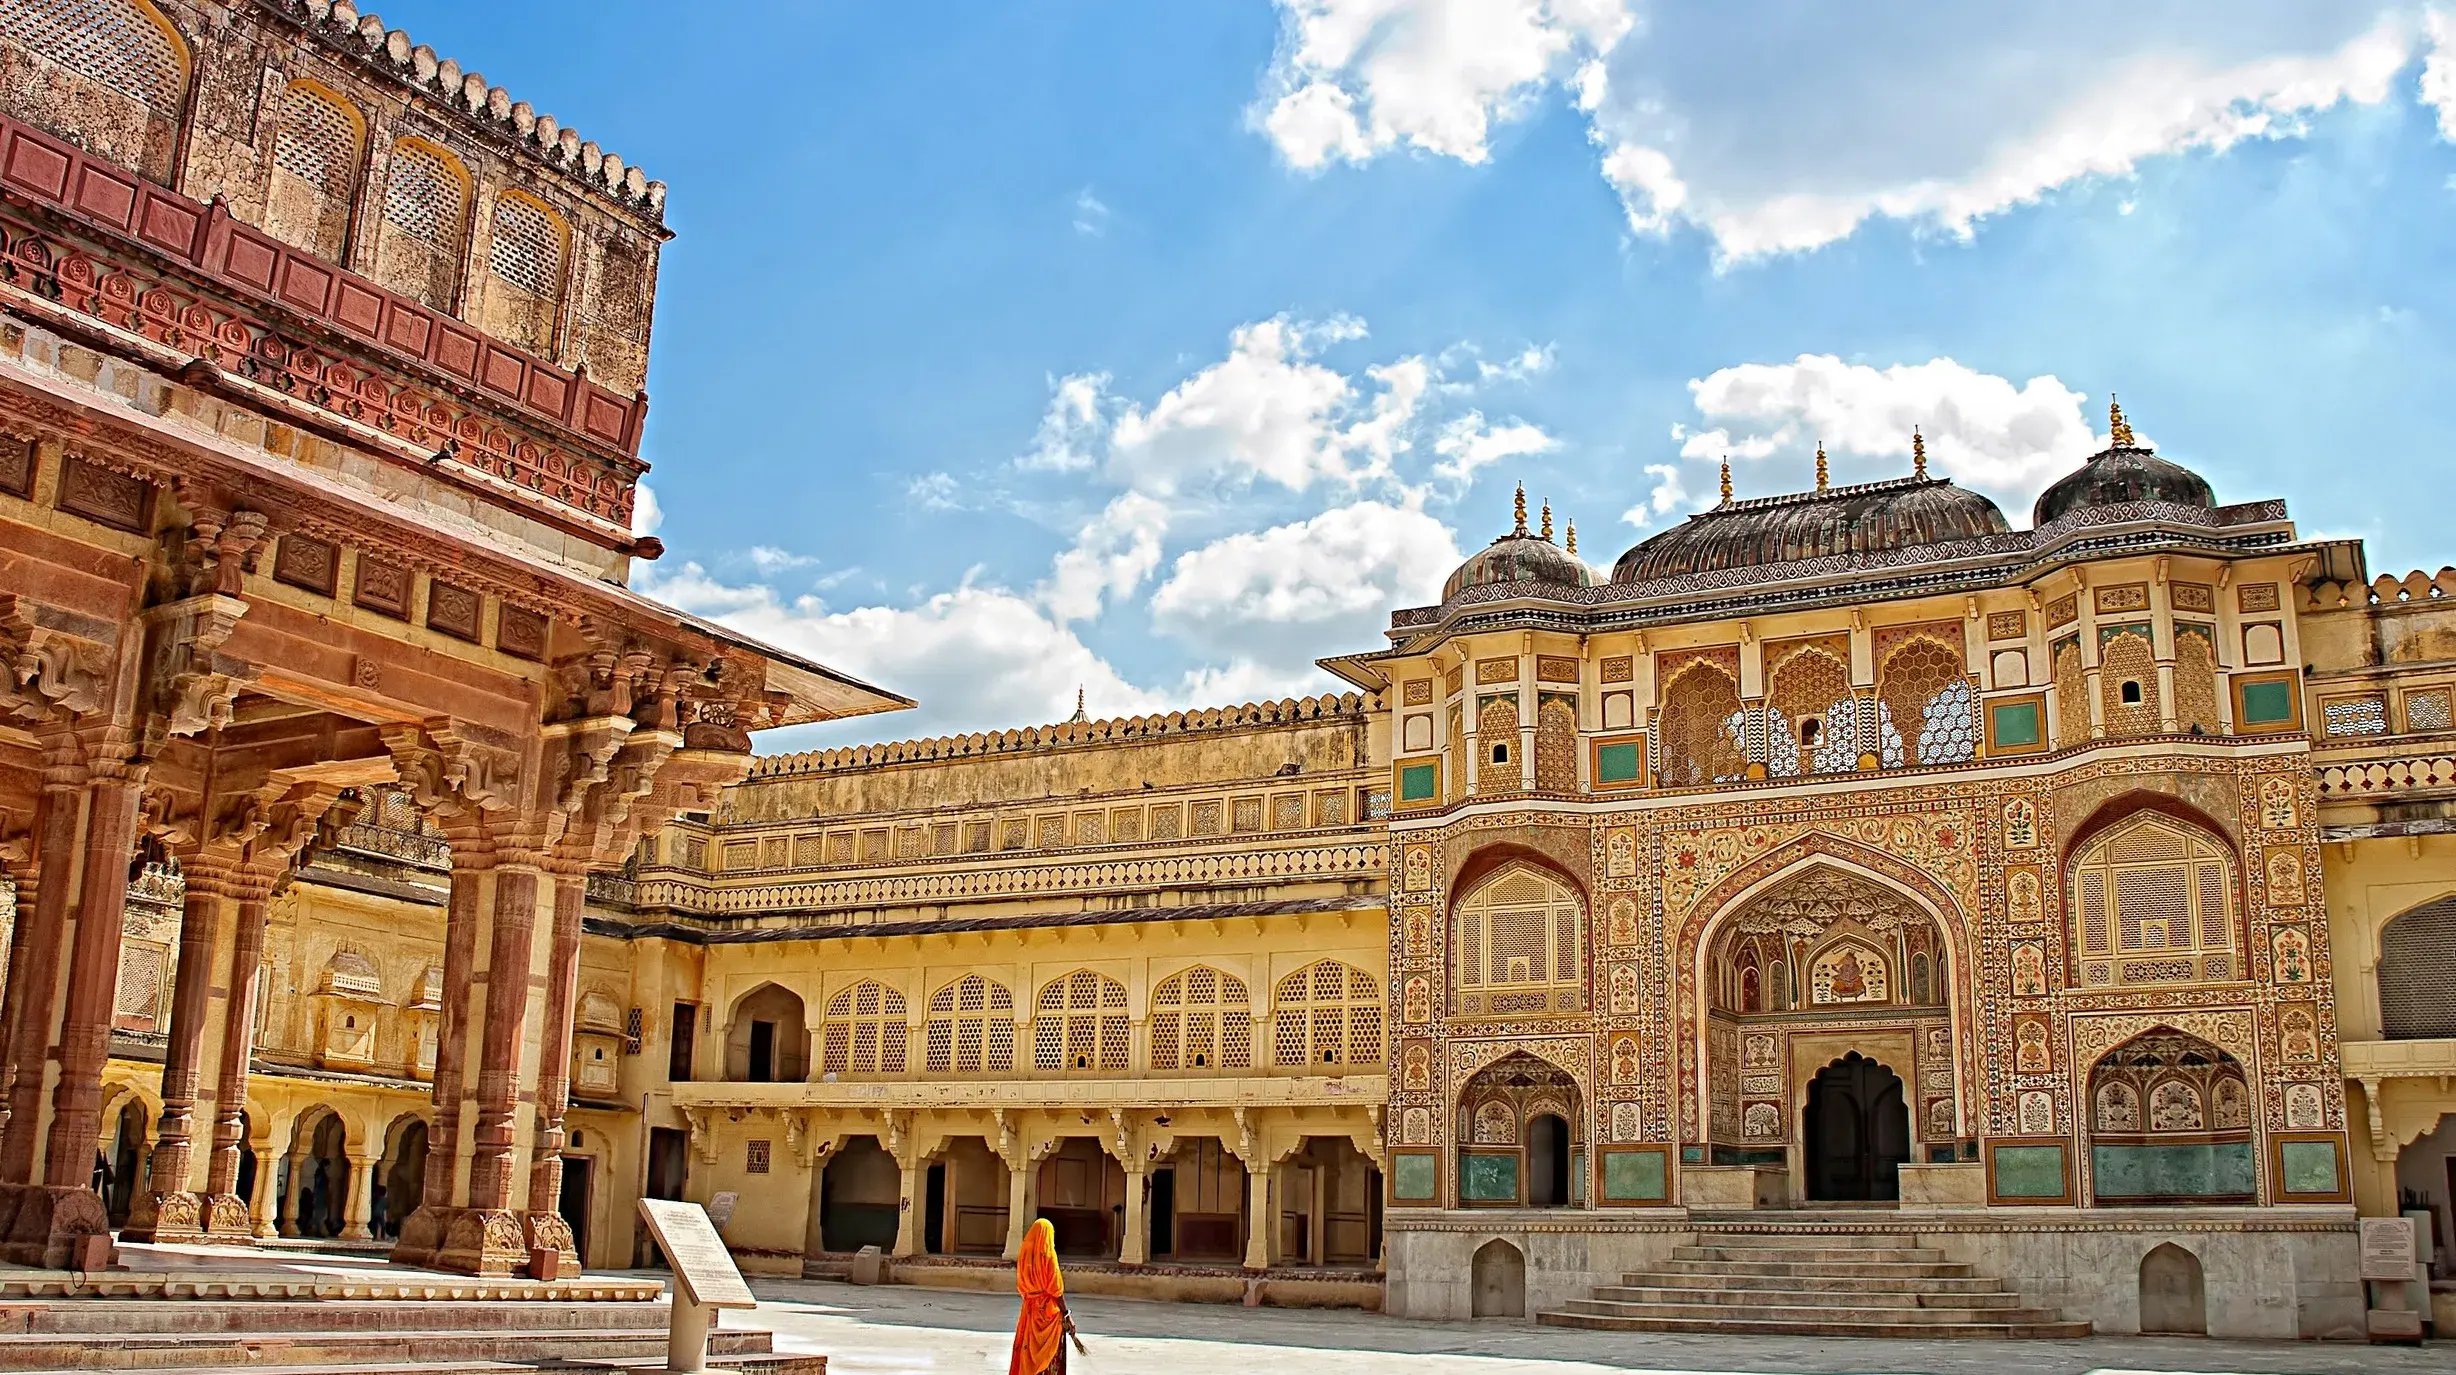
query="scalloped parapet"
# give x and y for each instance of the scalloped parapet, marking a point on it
(363, 37)
(2384, 590)
(1330, 706)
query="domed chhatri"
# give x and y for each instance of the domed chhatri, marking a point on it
(1522, 557)
(2124, 472)
(1856, 518)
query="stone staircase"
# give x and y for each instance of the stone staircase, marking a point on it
(387, 1336)
(1807, 1281)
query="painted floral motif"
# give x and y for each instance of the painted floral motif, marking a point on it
(2020, 823)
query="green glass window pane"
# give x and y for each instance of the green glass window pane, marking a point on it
(2268, 704)
(1418, 782)
(1616, 763)
(2013, 724)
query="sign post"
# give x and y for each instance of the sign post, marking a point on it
(2387, 1271)
(705, 1278)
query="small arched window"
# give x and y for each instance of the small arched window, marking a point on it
(110, 76)
(1327, 1013)
(1080, 1024)
(1516, 950)
(865, 1031)
(971, 1028)
(1202, 1019)
(524, 268)
(2417, 973)
(1698, 744)
(315, 170)
(2153, 899)
(426, 212)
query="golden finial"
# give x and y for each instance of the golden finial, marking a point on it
(1080, 717)
(1821, 476)
(1918, 453)
(1726, 479)
(1547, 518)
(1521, 509)
(1573, 538)
(2119, 430)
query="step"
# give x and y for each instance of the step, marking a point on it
(1749, 1297)
(1821, 1268)
(334, 1349)
(1720, 1277)
(1827, 1311)
(1838, 1326)
(196, 1316)
(1780, 1241)
(1830, 1255)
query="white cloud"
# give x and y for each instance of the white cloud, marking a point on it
(1110, 558)
(2438, 84)
(646, 514)
(976, 657)
(1774, 128)
(935, 492)
(1668, 495)
(1091, 214)
(1354, 78)
(770, 560)
(1072, 426)
(1982, 430)
(1469, 442)
(1309, 586)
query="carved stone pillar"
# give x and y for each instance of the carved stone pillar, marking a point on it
(268, 1193)
(422, 1232)
(293, 1193)
(1257, 1212)
(225, 1212)
(61, 1224)
(544, 1220)
(1019, 1204)
(487, 1237)
(36, 952)
(169, 1209)
(1134, 1248)
(359, 1204)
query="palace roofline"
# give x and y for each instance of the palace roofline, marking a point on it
(696, 933)
(1112, 730)
(340, 28)
(2257, 527)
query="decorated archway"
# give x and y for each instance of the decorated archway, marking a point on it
(1521, 1136)
(1825, 963)
(2170, 1122)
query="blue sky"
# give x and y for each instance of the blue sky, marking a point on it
(1161, 348)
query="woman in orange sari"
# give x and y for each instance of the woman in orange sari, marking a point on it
(1044, 1325)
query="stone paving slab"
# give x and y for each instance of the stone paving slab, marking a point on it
(894, 1330)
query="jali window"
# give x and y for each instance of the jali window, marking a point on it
(1202, 1019)
(1080, 1024)
(315, 171)
(2154, 902)
(1516, 951)
(1328, 1013)
(864, 1032)
(971, 1028)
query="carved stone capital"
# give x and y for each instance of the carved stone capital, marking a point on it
(189, 685)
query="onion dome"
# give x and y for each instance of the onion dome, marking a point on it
(1521, 557)
(1860, 517)
(2124, 472)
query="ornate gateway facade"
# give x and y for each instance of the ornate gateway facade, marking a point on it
(1850, 846)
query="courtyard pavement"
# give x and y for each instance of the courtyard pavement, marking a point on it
(895, 1330)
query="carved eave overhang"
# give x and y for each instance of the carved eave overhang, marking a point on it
(2248, 530)
(790, 688)
(797, 925)
(441, 88)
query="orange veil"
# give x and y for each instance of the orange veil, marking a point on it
(1040, 1329)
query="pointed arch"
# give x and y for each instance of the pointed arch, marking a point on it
(2154, 898)
(766, 1040)
(1697, 744)
(1326, 1013)
(2154, 1126)
(422, 234)
(319, 144)
(971, 1027)
(1518, 944)
(1202, 1018)
(528, 250)
(866, 1030)
(1079, 1023)
(2414, 964)
(118, 75)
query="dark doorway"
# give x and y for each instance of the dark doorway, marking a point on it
(669, 1161)
(1857, 1132)
(934, 1208)
(1547, 1162)
(685, 1041)
(573, 1205)
(763, 1052)
(1163, 1212)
